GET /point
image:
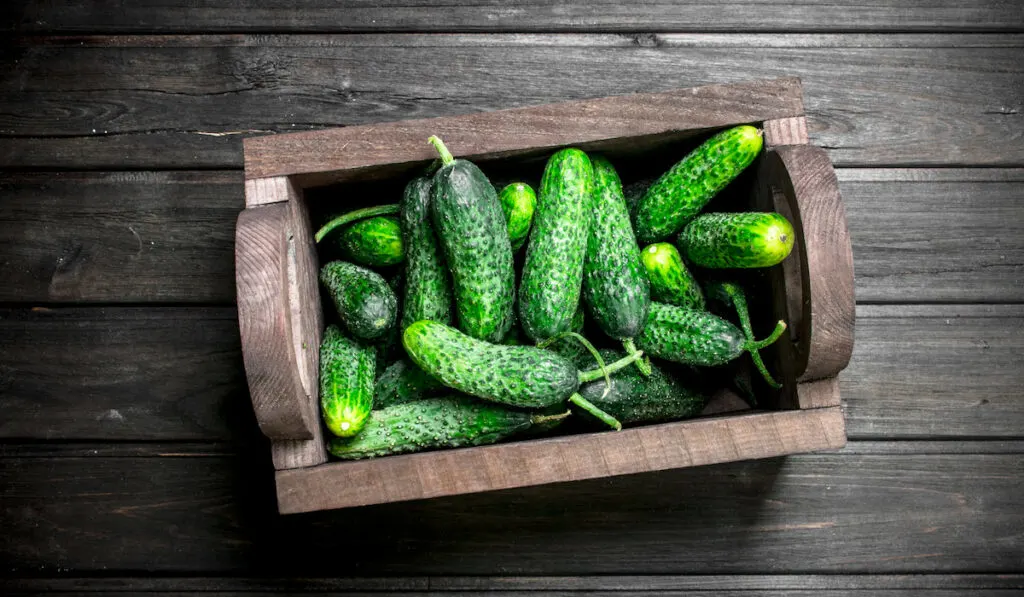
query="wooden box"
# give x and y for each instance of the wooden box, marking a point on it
(281, 318)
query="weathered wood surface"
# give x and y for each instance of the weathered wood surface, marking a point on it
(831, 512)
(152, 101)
(916, 372)
(949, 235)
(35, 16)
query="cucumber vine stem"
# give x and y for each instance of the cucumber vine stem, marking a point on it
(622, 363)
(446, 156)
(352, 216)
(589, 406)
(644, 364)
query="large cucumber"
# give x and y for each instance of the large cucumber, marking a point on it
(402, 382)
(521, 376)
(374, 242)
(449, 422)
(518, 201)
(739, 240)
(637, 398)
(680, 194)
(553, 271)
(695, 337)
(671, 281)
(366, 304)
(428, 292)
(346, 382)
(471, 227)
(615, 286)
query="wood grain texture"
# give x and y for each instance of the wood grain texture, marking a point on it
(321, 157)
(917, 372)
(118, 236)
(152, 101)
(34, 16)
(264, 249)
(785, 131)
(116, 374)
(832, 512)
(566, 458)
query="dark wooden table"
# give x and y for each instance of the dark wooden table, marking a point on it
(129, 456)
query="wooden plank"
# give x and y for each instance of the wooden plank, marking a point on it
(114, 374)
(30, 16)
(118, 237)
(871, 100)
(593, 455)
(834, 584)
(942, 514)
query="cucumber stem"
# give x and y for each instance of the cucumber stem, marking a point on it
(739, 302)
(541, 419)
(626, 361)
(352, 216)
(775, 335)
(644, 365)
(752, 347)
(589, 406)
(446, 156)
(590, 347)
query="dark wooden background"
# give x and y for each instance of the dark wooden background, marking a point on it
(129, 456)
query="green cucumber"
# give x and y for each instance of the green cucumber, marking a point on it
(737, 240)
(638, 398)
(521, 376)
(366, 304)
(518, 202)
(346, 382)
(449, 422)
(553, 271)
(373, 242)
(403, 382)
(615, 286)
(680, 194)
(428, 292)
(671, 281)
(695, 337)
(353, 216)
(471, 227)
(731, 295)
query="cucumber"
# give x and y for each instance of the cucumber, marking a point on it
(695, 337)
(428, 292)
(732, 296)
(346, 382)
(553, 270)
(471, 227)
(374, 242)
(679, 194)
(638, 398)
(671, 281)
(448, 422)
(615, 286)
(520, 376)
(518, 201)
(366, 304)
(353, 216)
(403, 382)
(737, 240)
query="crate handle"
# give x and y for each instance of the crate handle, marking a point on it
(814, 288)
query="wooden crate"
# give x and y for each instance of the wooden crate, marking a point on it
(281, 319)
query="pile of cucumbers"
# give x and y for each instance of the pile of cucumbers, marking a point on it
(480, 337)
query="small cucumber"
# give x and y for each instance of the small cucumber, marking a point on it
(346, 382)
(732, 296)
(518, 202)
(553, 270)
(671, 281)
(428, 292)
(366, 304)
(374, 242)
(471, 226)
(354, 216)
(680, 194)
(521, 376)
(737, 240)
(695, 337)
(615, 287)
(449, 422)
(403, 382)
(638, 398)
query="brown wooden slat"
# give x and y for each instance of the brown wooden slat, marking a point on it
(831, 513)
(503, 15)
(871, 100)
